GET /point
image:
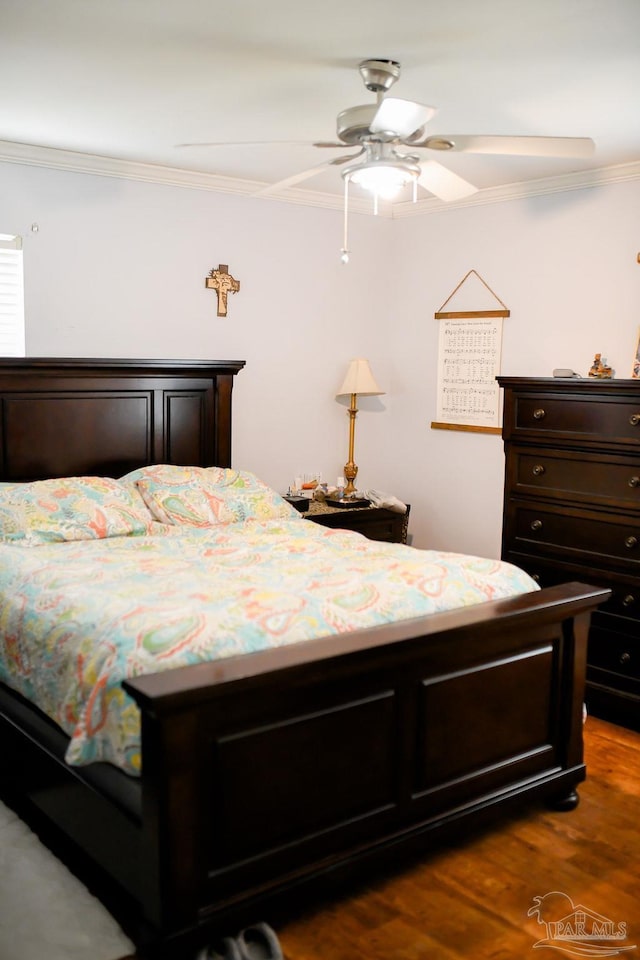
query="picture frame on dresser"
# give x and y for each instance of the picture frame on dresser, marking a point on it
(635, 369)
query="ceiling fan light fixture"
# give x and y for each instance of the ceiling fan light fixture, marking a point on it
(384, 174)
(383, 178)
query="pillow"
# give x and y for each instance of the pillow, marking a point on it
(205, 496)
(70, 508)
(173, 474)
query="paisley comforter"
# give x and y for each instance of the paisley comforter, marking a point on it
(76, 618)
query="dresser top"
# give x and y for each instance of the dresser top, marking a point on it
(569, 383)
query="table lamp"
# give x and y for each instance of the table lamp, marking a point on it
(359, 380)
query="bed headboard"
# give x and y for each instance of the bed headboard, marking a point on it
(73, 417)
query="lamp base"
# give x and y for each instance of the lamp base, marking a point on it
(348, 502)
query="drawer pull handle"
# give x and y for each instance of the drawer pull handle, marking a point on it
(538, 470)
(539, 414)
(629, 600)
(537, 525)
(631, 542)
(625, 657)
(634, 482)
(536, 577)
(634, 419)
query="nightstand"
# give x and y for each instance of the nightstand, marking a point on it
(376, 523)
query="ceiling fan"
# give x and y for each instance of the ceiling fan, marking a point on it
(385, 130)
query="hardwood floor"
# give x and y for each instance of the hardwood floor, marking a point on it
(472, 899)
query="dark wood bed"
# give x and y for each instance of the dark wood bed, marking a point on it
(269, 776)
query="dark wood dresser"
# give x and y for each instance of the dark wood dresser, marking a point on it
(572, 512)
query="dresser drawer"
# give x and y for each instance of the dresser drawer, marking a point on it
(615, 652)
(582, 536)
(625, 590)
(561, 474)
(625, 602)
(574, 417)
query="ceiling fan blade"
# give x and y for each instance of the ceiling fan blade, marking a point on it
(513, 146)
(349, 156)
(327, 143)
(242, 143)
(402, 117)
(299, 177)
(444, 183)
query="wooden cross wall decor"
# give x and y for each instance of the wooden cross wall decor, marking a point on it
(223, 283)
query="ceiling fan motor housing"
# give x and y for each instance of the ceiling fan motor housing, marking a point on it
(379, 75)
(354, 124)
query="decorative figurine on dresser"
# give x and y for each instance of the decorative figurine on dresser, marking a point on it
(572, 512)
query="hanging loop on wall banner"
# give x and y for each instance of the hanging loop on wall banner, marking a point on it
(469, 348)
(457, 315)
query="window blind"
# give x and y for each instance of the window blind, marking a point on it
(12, 339)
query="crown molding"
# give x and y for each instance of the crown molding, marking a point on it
(529, 188)
(76, 162)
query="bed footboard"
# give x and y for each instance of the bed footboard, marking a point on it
(263, 774)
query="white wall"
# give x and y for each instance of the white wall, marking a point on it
(117, 269)
(565, 266)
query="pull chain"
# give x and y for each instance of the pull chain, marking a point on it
(344, 253)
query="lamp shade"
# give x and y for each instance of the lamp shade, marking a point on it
(359, 379)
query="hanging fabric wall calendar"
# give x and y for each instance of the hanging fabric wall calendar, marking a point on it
(469, 350)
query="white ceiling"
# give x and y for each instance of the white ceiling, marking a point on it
(135, 79)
